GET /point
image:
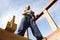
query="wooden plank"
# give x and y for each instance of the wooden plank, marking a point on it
(50, 20)
(54, 35)
(5, 35)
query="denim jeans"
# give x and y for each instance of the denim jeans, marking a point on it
(26, 22)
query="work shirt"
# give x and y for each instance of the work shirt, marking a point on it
(29, 13)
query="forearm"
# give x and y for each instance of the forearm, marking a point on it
(24, 13)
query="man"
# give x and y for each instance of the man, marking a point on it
(28, 21)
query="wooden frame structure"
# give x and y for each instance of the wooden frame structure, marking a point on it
(48, 16)
(44, 11)
(45, 8)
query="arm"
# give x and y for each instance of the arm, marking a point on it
(24, 12)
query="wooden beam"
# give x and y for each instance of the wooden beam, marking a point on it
(50, 20)
(6, 35)
(46, 7)
(54, 35)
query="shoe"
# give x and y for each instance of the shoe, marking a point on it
(40, 38)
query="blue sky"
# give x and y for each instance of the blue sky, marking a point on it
(8, 8)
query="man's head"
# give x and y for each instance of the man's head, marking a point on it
(28, 7)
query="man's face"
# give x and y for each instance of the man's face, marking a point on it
(27, 7)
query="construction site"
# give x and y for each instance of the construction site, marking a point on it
(8, 32)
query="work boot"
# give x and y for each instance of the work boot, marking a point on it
(40, 38)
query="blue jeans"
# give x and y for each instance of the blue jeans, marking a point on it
(26, 22)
